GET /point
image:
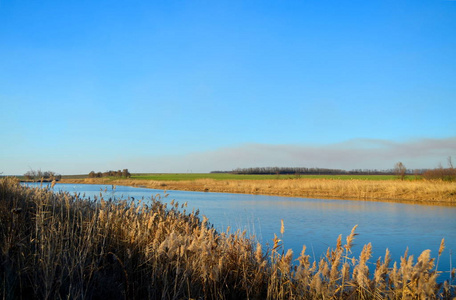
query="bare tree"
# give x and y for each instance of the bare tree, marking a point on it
(451, 170)
(40, 175)
(30, 175)
(400, 170)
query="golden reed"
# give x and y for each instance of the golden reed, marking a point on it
(417, 191)
(57, 245)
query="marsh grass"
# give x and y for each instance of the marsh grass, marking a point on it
(57, 245)
(416, 191)
(230, 176)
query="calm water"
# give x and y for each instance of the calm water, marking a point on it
(314, 222)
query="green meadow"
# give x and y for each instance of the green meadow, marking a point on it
(229, 176)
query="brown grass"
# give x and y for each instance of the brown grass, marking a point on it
(55, 246)
(418, 191)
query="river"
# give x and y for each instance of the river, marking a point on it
(314, 222)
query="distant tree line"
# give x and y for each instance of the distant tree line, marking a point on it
(40, 175)
(439, 173)
(305, 171)
(119, 173)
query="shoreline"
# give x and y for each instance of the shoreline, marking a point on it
(416, 192)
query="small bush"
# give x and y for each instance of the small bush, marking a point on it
(446, 174)
(123, 173)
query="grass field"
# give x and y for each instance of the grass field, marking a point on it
(367, 188)
(228, 176)
(195, 176)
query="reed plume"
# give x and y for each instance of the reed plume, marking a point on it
(58, 245)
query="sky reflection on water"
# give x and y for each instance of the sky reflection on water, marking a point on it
(314, 222)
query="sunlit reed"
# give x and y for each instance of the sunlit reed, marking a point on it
(56, 245)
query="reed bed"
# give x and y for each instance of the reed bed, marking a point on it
(416, 191)
(57, 245)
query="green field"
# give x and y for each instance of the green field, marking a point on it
(194, 176)
(227, 176)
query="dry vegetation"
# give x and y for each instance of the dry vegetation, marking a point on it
(418, 191)
(57, 246)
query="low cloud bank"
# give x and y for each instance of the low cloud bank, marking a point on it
(352, 154)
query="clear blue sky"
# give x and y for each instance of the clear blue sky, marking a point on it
(177, 86)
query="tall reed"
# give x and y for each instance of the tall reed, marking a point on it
(57, 245)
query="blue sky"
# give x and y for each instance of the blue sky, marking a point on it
(177, 86)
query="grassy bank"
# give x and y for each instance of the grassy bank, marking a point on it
(59, 246)
(414, 191)
(228, 176)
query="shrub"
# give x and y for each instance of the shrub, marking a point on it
(446, 174)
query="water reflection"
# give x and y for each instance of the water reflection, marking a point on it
(314, 222)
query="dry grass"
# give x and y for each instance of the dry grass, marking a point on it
(55, 246)
(418, 191)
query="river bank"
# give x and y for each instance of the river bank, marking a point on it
(419, 191)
